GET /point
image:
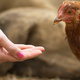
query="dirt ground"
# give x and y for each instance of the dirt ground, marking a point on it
(13, 77)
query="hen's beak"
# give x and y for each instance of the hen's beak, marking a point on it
(57, 20)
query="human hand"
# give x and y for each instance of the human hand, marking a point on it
(16, 52)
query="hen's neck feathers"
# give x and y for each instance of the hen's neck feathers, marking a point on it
(73, 29)
(73, 36)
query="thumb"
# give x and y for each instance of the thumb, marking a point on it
(9, 46)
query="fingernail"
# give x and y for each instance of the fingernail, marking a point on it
(20, 55)
(43, 50)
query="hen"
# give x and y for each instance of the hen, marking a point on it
(69, 12)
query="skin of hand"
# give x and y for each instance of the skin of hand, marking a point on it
(16, 52)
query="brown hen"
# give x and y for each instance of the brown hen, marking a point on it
(69, 12)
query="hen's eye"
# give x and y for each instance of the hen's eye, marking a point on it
(71, 11)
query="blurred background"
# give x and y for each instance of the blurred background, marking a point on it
(31, 22)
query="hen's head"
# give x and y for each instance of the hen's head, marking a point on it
(68, 12)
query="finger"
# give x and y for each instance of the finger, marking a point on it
(30, 53)
(39, 48)
(22, 46)
(7, 57)
(8, 45)
(11, 58)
